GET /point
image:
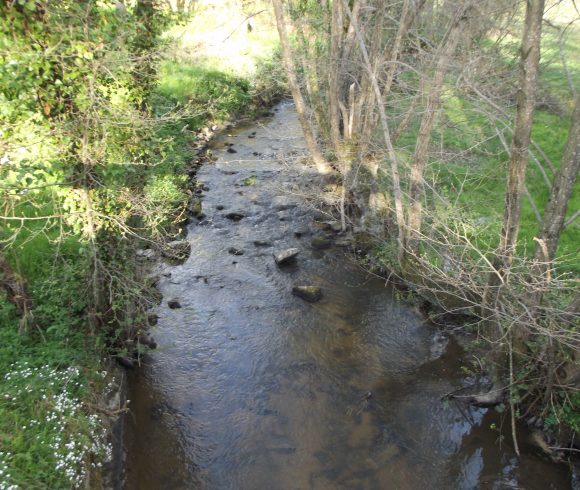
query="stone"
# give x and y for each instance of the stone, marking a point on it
(126, 362)
(147, 340)
(335, 226)
(235, 215)
(320, 242)
(262, 243)
(177, 250)
(146, 254)
(286, 256)
(282, 203)
(235, 251)
(174, 304)
(312, 294)
(345, 241)
(231, 150)
(195, 207)
(152, 319)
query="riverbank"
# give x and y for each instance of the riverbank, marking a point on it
(59, 365)
(252, 386)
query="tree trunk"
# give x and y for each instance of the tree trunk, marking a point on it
(386, 134)
(555, 212)
(423, 138)
(334, 75)
(526, 100)
(287, 57)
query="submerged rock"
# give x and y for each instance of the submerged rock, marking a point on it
(235, 215)
(320, 242)
(262, 243)
(312, 294)
(286, 256)
(174, 304)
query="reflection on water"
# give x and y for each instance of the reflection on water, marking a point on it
(253, 388)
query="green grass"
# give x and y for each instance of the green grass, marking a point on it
(213, 94)
(474, 162)
(48, 436)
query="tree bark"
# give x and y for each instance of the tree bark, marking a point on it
(555, 212)
(287, 57)
(424, 137)
(526, 101)
(519, 151)
(386, 134)
(334, 75)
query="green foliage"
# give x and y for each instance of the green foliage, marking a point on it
(210, 94)
(566, 411)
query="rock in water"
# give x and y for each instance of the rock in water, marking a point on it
(177, 250)
(173, 304)
(286, 256)
(320, 242)
(311, 294)
(235, 215)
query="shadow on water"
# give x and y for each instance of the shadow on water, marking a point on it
(253, 388)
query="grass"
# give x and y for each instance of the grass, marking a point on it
(48, 436)
(469, 164)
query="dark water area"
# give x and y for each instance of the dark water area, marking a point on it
(254, 388)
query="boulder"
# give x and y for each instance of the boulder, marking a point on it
(312, 294)
(286, 256)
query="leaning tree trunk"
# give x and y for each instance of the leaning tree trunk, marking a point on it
(287, 57)
(424, 137)
(555, 212)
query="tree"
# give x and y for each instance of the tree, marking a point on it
(288, 59)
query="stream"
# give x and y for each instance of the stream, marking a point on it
(254, 388)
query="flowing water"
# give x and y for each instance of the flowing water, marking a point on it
(254, 388)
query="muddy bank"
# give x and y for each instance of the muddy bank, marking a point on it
(253, 386)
